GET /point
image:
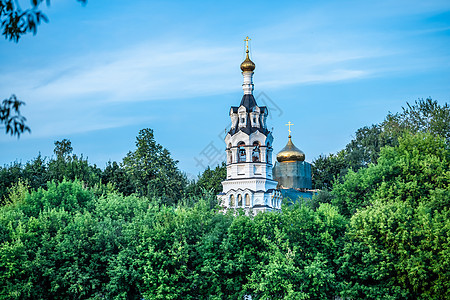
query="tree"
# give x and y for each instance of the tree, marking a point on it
(35, 172)
(398, 238)
(152, 171)
(210, 180)
(9, 175)
(71, 167)
(10, 116)
(299, 248)
(16, 22)
(364, 149)
(423, 116)
(410, 171)
(327, 168)
(63, 149)
(116, 175)
(40, 170)
(61, 243)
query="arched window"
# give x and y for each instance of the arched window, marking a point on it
(239, 200)
(256, 152)
(242, 155)
(232, 201)
(247, 200)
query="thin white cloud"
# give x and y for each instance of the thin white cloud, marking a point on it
(77, 87)
(148, 72)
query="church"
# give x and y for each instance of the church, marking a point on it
(253, 183)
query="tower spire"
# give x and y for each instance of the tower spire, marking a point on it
(247, 67)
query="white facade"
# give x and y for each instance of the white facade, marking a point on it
(249, 184)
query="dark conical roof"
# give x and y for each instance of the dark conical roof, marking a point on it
(248, 101)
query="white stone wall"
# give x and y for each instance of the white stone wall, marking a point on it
(248, 82)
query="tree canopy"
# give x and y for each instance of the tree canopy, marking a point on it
(398, 238)
(138, 230)
(152, 170)
(67, 241)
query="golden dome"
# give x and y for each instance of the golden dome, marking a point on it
(290, 153)
(247, 64)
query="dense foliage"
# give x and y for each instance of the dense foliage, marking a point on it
(69, 241)
(152, 171)
(139, 230)
(149, 170)
(398, 240)
(210, 180)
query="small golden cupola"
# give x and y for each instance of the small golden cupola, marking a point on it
(290, 153)
(247, 65)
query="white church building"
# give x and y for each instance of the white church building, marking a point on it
(249, 184)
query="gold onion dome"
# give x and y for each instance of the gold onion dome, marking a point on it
(247, 64)
(290, 153)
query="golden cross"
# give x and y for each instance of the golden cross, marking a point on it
(289, 124)
(246, 42)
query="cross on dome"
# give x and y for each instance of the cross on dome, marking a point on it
(247, 39)
(289, 124)
(247, 65)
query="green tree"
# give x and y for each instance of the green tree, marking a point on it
(322, 196)
(288, 255)
(35, 172)
(299, 247)
(209, 180)
(364, 149)
(63, 149)
(423, 116)
(398, 239)
(410, 171)
(327, 168)
(61, 243)
(152, 171)
(9, 174)
(116, 175)
(39, 171)
(71, 167)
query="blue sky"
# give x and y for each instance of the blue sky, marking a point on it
(99, 73)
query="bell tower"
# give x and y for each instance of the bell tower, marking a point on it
(249, 184)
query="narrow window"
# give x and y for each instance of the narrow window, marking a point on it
(239, 200)
(242, 155)
(256, 152)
